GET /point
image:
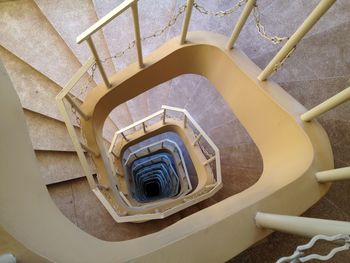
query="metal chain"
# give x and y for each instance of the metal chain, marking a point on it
(82, 91)
(157, 33)
(204, 11)
(280, 64)
(298, 255)
(261, 28)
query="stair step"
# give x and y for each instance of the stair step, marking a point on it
(63, 16)
(138, 107)
(121, 116)
(158, 96)
(36, 92)
(48, 134)
(33, 39)
(58, 167)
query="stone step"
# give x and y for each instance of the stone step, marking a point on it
(70, 19)
(48, 134)
(37, 92)
(63, 16)
(58, 167)
(33, 39)
(138, 107)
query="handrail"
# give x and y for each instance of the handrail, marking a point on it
(290, 45)
(302, 226)
(205, 136)
(105, 20)
(327, 105)
(60, 99)
(187, 117)
(76, 77)
(137, 123)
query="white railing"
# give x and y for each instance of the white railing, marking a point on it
(87, 35)
(187, 118)
(61, 98)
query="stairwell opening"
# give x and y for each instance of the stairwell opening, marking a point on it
(240, 159)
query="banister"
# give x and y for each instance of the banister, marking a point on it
(76, 143)
(189, 7)
(308, 23)
(140, 122)
(135, 16)
(76, 77)
(327, 105)
(302, 226)
(98, 61)
(240, 23)
(105, 20)
(333, 175)
(88, 149)
(76, 107)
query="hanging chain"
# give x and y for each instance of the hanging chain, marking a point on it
(157, 33)
(280, 64)
(201, 9)
(261, 28)
(82, 91)
(204, 11)
(298, 255)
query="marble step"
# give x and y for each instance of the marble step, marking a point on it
(63, 15)
(70, 19)
(28, 34)
(37, 92)
(48, 134)
(59, 166)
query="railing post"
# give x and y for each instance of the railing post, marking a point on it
(189, 7)
(144, 127)
(302, 226)
(209, 160)
(163, 116)
(333, 175)
(124, 136)
(88, 149)
(311, 20)
(197, 139)
(76, 107)
(327, 105)
(98, 61)
(185, 121)
(240, 23)
(135, 16)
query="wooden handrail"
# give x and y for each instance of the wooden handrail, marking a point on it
(104, 20)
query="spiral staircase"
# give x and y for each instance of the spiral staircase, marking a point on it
(177, 138)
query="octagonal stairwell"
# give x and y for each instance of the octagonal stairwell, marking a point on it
(304, 75)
